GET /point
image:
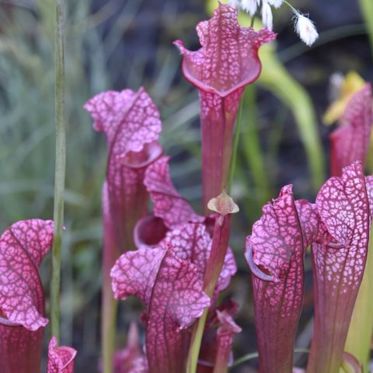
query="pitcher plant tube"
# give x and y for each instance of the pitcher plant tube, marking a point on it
(337, 228)
(350, 141)
(171, 289)
(275, 252)
(22, 306)
(161, 265)
(131, 123)
(227, 62)
(339, 256)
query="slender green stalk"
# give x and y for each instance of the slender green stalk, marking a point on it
(60, 169)
(252, 22)
(245, 358)
(213, 269)
(225, 206)
(252, 150)
(255, 355)
(295, 11)
(275, 78)
(110, 309)
(196, 342)
(236, 139)
(367, 11)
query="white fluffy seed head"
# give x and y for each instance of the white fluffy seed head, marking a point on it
(267, 17)
(250, 6)
(275, 3)
(306, 29)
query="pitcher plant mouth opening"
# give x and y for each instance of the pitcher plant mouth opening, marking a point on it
(149, 153)
(149, 231)
(215, 87)
(228, 58)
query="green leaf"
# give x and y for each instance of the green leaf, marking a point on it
(367, 11)
(275, 78)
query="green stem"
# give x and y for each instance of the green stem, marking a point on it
(245, 358)
(252, 23)
(252, 150)
(60, 169)
(255, 355)
(110, 308)
(276, 78)
(213, 269)
(367, 11)
(295, 11)
(196, 342)
(236, 139)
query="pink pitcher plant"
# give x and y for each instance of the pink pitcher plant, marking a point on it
(227, 62)
(337, 227)
(176, 242)
(275, 252)
(350, 141)
(170, 269)
(131, 123)
(22, 310)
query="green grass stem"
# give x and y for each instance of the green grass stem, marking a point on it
(276, 78)
(251, 148)
(196, 343)
(367, 12)
(255, 355)
(60, 168)
(236, 140)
